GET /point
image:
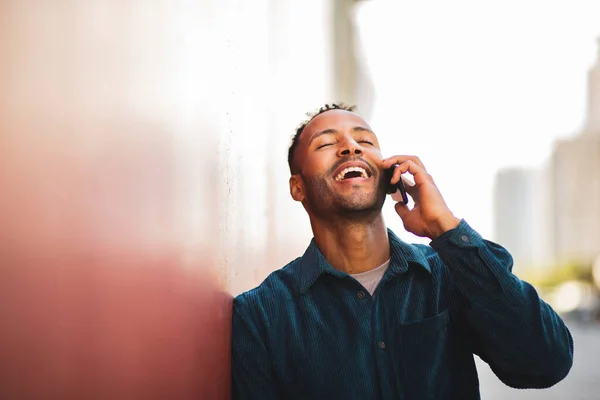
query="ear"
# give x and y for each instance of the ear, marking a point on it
(297, 187)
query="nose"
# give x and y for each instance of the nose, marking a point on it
(349, 147)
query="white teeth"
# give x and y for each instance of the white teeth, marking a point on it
(343, 173)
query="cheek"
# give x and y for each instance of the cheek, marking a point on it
(316, 165)
(373, 157)
(375, 154)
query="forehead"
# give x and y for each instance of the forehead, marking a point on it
(339, 120)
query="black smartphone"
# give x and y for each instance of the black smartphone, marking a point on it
(398, 186)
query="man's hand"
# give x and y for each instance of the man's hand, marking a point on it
(430, 216)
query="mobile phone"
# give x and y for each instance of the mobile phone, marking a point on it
(398, 186)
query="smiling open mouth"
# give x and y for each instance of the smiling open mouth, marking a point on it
(351, 172)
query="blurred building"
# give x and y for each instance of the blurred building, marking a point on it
(351, 81)
(553, 216)
(575, 172)
(520, 215)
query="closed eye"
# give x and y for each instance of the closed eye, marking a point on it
(366, 141)
(324, 144)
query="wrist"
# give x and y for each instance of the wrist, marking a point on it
(442, 225)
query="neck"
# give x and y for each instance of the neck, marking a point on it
(352, 246)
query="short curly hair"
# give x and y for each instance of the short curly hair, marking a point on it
(295, 138)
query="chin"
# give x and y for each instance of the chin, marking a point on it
(362, 202)
(360, 205)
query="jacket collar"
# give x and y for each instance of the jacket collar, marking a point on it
(313, 264)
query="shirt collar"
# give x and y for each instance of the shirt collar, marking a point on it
(313, 264)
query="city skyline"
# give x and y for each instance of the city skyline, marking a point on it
(550, 215)
(460, 89)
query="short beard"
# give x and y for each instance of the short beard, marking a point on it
(324, 203)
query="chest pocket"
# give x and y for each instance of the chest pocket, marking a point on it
(421, 356)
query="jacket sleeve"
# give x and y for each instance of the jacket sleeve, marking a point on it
(252, 370)
(521, 337)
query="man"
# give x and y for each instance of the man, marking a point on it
(364, 315)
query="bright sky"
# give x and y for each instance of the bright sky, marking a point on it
(473, 86)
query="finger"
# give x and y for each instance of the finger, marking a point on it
(399, 159)
(397, 196)
(408, 180)
(396, 176)
(419, 174)
(411, 189)
(402, 210)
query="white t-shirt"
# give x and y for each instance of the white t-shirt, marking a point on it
(370, 279)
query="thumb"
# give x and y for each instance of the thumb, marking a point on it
(402, 209)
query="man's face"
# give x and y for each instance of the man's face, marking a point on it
(339, 158)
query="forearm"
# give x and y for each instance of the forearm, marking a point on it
(518, 334)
